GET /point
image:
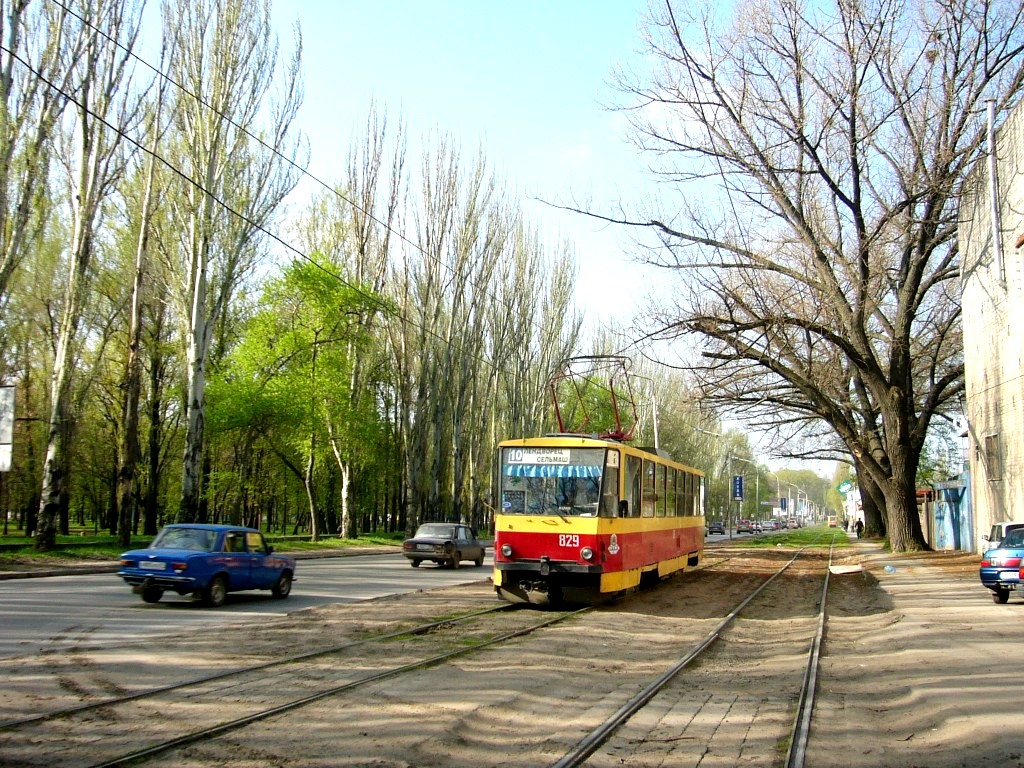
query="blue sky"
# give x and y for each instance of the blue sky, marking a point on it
(524, 81)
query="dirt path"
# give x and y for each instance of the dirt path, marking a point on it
(925, 673)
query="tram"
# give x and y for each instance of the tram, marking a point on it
(582, 518)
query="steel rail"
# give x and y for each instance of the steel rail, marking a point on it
(805, 708)
(586, 747)
(213, 731)
(416, 630)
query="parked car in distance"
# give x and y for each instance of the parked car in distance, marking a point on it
(771, 525)
(206, 561)
(792, 523)
(999, 530)
(1000, 566)
(744, 526)
(445, 544)
(716, 527)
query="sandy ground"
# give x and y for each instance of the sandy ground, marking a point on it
(924, 672)
(912, 655)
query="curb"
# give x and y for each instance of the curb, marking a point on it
(77, 570)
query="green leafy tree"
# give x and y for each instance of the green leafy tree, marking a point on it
(287, 382)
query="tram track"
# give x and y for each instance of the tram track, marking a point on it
(249, 669)
(604, 732)
(323, 682)
(388, 686)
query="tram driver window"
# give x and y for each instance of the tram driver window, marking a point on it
(610, 486)
(578, 495)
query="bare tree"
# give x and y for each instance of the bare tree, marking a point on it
(94, 160)
(820, 280)
(225, 58)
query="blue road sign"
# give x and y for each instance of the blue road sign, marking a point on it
(737, 487)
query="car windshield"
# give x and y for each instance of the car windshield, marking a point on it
(436, 530)
(1014, 538)
(184, 538)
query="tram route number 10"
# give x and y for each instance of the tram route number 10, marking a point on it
(568, 540)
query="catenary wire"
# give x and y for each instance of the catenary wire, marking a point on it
(301, 169)
(299, 253)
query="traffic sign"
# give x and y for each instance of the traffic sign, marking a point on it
(737, 487)
(845, 487)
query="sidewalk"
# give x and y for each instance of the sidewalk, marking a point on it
(919, 668)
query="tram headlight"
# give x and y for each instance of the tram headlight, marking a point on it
(587, 553)
(506, 550)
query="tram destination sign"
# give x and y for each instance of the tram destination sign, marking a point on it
(538, 456)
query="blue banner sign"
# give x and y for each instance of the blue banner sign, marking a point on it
(737, 487)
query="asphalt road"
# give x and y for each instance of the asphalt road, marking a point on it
(60, 612)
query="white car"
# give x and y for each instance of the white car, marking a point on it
(999, 530)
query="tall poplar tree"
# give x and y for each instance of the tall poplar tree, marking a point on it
(226, 59)
(104, 108)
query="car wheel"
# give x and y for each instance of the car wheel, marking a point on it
(479, 561)
(152, 594)
(1000, 596)
(415, 563)
(283, 588)
(454, 562)
(217, 591)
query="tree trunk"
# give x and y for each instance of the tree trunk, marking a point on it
(873, 504)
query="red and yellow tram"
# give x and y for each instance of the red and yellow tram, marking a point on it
(582, 518)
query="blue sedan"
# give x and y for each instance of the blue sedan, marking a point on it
(1000, 567)
(207, 561)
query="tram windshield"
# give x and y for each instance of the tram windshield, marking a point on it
(552, 481)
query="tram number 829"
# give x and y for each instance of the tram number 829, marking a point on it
(568, 540)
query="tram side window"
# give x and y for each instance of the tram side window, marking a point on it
(633, 483)
(686, 495)
(681, 497)
(659, 489)
(700, 495)
(610, 486)
(670, 490)
(647, 503)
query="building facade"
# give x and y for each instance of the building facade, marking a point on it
(991, 241)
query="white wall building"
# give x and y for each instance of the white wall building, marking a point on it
(991, 239)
